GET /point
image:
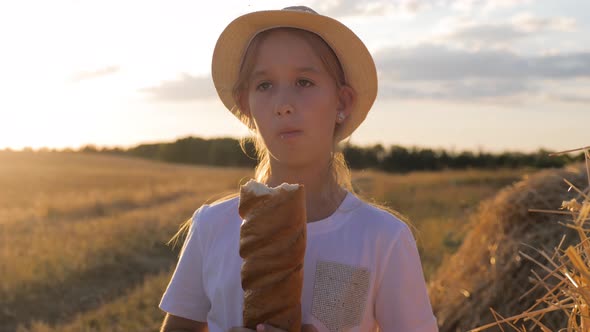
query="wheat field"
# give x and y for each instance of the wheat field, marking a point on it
(83, 236)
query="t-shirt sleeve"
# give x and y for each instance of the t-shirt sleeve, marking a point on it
(402, 302)
(185, 295)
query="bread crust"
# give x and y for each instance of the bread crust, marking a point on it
(272, 245)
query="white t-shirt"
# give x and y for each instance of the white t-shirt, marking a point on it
(361, 270)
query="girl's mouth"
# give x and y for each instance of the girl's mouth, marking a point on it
(291, 134)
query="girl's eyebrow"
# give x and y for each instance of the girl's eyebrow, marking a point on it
(262, 72)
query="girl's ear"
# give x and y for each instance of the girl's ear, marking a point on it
(346, 98)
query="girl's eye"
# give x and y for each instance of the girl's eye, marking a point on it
(263, 86)
(304, 83)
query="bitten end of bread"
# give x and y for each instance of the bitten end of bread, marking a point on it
(260, 189)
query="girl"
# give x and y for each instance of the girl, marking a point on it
(301, 82)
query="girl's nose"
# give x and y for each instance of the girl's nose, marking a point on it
(284, 109)
(284, 104)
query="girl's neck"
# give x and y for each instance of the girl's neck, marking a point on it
(323, 195)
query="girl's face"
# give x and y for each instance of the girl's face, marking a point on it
(292, 99)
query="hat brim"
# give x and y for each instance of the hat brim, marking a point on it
(355, 58)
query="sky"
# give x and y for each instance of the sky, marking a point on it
(491, 75)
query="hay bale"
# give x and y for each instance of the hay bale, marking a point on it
(487, 270)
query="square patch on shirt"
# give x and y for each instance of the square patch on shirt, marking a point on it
(339, 295)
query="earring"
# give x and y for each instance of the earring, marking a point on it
(341, 116)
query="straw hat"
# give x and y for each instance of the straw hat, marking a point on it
(357, 63)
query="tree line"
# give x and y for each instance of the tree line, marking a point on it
(395, 158)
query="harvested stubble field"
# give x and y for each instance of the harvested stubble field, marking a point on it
(83, 236)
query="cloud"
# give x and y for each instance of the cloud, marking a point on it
(436, 62)
(344, 8)
(185, 88)
(460, 90)
(485, 34)
(440, 72)
(531, 23)
(347, 8)
(478, 35)
(88, 75)
(570, 98)
(486, 5)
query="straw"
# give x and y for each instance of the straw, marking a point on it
(571, 267)
(468, 292)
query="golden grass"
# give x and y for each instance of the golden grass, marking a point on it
(135, 311)
(49, 185)
(79, 233)
(438, 204)
(89, 215)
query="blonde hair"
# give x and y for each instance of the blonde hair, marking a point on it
(338, 168)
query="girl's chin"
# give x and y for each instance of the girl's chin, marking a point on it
(292, 158)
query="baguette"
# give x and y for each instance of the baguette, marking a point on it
(272, 245)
